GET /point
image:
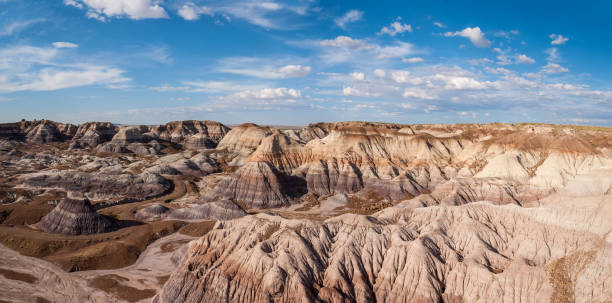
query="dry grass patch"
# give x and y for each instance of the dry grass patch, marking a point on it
(197, 229)
(112, 284)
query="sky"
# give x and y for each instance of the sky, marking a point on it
(297, 62)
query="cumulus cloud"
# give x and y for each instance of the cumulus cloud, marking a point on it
(350, 17)
(524, 59)
(356, 92)
(270, 93)
(64, 45)
(133, 9)
(403, 76)
(459, 82)
(557, 39)
(413, 60)
(554, 68)
(294, 71)
(418, 93)
(346, 43)
(357, 76)
(395, 28)
(190, 11)
(401, 49)
(475, 35)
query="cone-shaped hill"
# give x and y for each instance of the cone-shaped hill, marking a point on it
(76, 217)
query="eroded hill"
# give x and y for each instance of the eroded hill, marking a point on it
(332, 212)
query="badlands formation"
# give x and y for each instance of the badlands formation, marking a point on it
(196, 211)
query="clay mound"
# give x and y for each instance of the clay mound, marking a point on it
(281, 151)
(76, 217)
(243, 140)
(218, 210)
(152, 212)
(257, 185)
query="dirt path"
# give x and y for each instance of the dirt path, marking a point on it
(126, 211)
(141, 280)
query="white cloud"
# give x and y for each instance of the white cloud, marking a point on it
(395, 28)
(262, 68)
(440, 25)
(294, 71)
(18, 26)
(356, 92)
(524, 59)
(50, 79)
(190, 11)
(133, 9)
(400, 50)
(459, 82)
(220, 86)
(379, 73)
(557, 39)
(402, 76)
(346, 43)
(474, 34)
(30, 68)
(350, 17)
(413, 60)
(168, 88)
(270, 93)
(553, 54)
(64, 45)
(470, 114)
(554, 68)
(418, 94)
(267, 14)
(357, 76)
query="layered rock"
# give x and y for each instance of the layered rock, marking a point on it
(471, 253)
(216, 210)
(192, 134)
(184, 164)
(36, 280)
(241, 141)
(99, 186)
(91, 134)
(257, 185)
(131, 139)
(153, 212)
(76, 217)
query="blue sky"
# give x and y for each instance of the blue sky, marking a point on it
(295, 62)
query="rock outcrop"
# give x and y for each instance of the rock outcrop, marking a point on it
(156, 211)
(257, 185)
(217, 210)
(472, 253)
(76, 217)
(91, 134)
(192, 134)
(100, 186)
